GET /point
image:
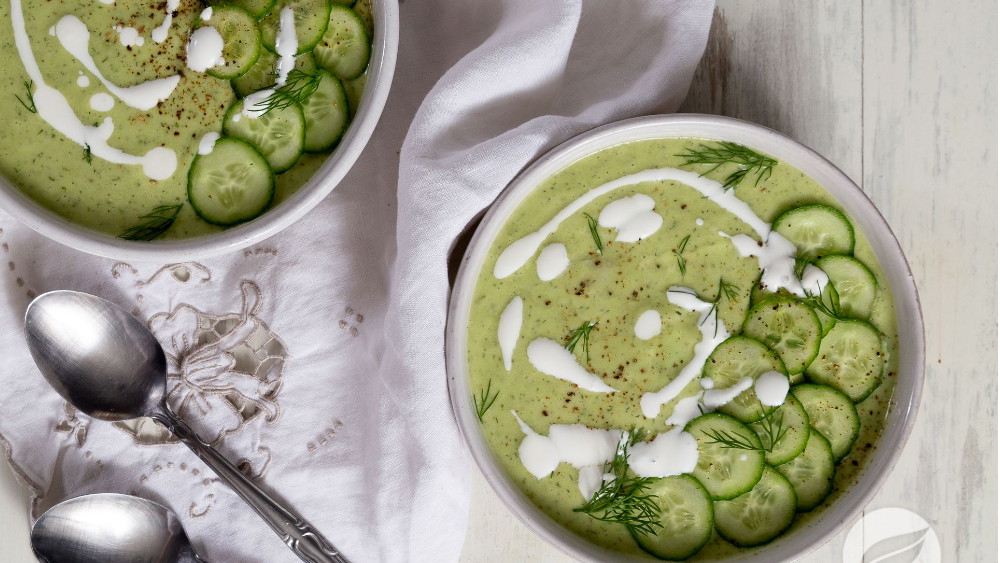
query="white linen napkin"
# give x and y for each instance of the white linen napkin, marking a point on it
(315, 359)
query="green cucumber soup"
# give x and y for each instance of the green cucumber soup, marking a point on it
(681, 348)
(174, 119)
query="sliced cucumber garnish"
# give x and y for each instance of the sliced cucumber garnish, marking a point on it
(730, 460)
(851, 358)
(310, 17)
(687, 517)
(832, 414)
(231, 184)
(344, 49)
(787, 326)
(363, 8)
(326, 113)
(256, 8)
(816, 230)
(278, 134)
(734, 359)
(854, 283)
(355, 88)
(265, 71)
(760, 515)
(241, 40)
(811, 472)
(783, 432)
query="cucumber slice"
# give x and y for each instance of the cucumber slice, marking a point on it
(256, 8)
(854, 283)
(851, 358)
(311, 17)
(241, 40)
(278, 134)
(738, 357)
(363, 8)
(325, 111)
(789, 428)
(789, 327)
(344, 49)
(816, 230)
(355, 88)
(760, 515)
(832, 414)
(231, 184)
(687, 517)
(265, 71)
(726, 472)
(811, 473)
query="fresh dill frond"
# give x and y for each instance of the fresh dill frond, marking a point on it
(485, 400)
(748, 161)
(727, 290)
(831, 309)
(732, 440)
(87, 156)
(299, 85)
(156, 223)
(772, 426)
(578, 335)
(30, 104)
(592, 225)
(681, 261)
(624, 498)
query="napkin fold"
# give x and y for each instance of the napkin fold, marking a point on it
(315, 360)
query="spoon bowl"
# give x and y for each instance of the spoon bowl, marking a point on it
(111, 528)
(108, 364)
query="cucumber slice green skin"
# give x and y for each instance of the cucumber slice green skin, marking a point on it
(738, 357)
(264, 72)
(278, 134)
(256, 8)
(326, 114)
(230, 185)
(363, 8)
(854, 283)
(725, 472)
(345, 48)
(759, 515)
(811, 473)
(687, 515)
(789, 327)
(241, 39)
(791, 423)
(832, 414)
(851, 358)
(816, 230)
(311, 18)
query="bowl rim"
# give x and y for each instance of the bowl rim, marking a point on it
(901, 414)
(385, 45)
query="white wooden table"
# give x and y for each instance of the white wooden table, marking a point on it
(903, 97)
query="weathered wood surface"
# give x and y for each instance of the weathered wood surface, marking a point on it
(902, 96)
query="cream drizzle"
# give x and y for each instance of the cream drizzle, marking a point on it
(162, 31)
(632, 216)
(550, 358)
(509, 329)
(648, 325)
(552, 261)
(286, 44)
(158, 164)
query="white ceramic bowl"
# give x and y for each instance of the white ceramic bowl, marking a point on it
(818, 530)
(385, 44)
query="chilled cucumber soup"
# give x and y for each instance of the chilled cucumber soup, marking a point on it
(107, 105)
(574, 342)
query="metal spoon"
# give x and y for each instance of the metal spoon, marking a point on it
(109, 365)
(111, 528)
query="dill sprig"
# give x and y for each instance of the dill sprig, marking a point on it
(732, 440)
(87, 156)
(484, 400)
(157, 222)
(299, 85)
(624, 499)
(580, 334)
(30, 104)
(727, 290)
(772, 427)
(681, 261)
(831, 309)
(748, 162)
(592, 225)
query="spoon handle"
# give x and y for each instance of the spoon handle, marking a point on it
(294, 531)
